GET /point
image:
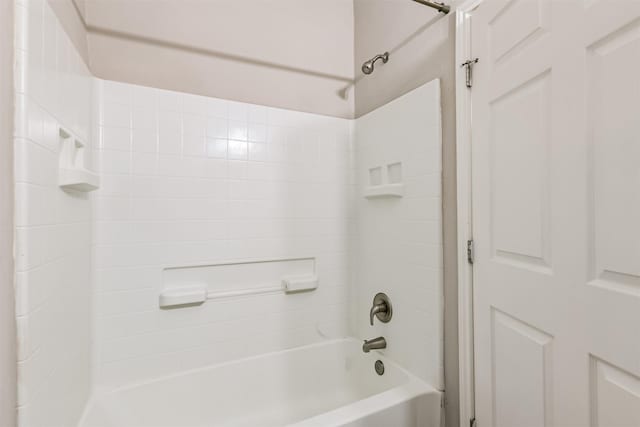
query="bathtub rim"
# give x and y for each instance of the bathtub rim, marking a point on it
(410, 388)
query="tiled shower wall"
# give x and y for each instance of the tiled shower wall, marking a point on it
(189, 180)
(53, 228)
(398, 244)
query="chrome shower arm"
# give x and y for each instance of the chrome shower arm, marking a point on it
(440, 7)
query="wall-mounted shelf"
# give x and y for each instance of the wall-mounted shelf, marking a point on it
(78, 180)
(382, 191)
(188, 295)
(188, 286)
(72, 174)
(385, 182)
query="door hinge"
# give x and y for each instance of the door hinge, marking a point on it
(470, 251)
(469, 70)
(472, 422)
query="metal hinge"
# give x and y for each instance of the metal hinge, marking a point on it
(469, 64)
(470, 251)
(472, 422)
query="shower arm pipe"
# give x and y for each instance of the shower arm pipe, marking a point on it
(440, 7)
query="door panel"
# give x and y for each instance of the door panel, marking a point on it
(516, 24)
(521, 355)
(614, 155)
(556, 212)
(519, 137)
(615, 396)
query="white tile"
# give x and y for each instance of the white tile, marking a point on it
(170, 142)
(144, 118)
(237, 169)
(238, 130)
(237, 150)
(193, 124)
(257, 132)
(116, 115)
(120, 279)
(111, 303)
(217, 108)
(217, 127)
(144, 97)
(169, 101)
(194, 104)
(257, 114)
(113, 208)
(114, 185)
(192, 166)
(169, 122)
(203, 198)
(34, 164)
(277, 134)
(145, 140)
(194, 145)
(169, 165)
(51, 133)
(238, 111)
(34, 205)
(20, 76)
(53, 234)
(116, 92)
(35, 117)
(257, 151)
(115, 138)
(217, 148)
(115, 162)
(407, 237)
(144, 164)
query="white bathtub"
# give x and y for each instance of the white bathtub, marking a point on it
(328, 384)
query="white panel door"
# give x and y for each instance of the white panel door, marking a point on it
(556, 212)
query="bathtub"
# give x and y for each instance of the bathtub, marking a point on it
(329, 384)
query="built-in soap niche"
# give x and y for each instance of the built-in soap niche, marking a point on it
(194, 285)
(72, 174)
(394, 173)
(375, 176)
(385, 181)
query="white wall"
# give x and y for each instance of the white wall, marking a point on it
(53, 228)
(398, 244)
(421, 43)
(192, 180)
(283, 188)
(69, 13)
(8, 373)
(295, 54)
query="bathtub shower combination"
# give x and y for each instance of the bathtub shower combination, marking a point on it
(188, 261)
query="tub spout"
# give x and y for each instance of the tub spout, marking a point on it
(374, 344)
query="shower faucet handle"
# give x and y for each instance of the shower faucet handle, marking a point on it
(381, 308)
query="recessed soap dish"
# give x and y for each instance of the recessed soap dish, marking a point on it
(387, 190)
(72, 174)
(385, 182)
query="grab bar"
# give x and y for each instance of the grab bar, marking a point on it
(196, 294)
(254, 291)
